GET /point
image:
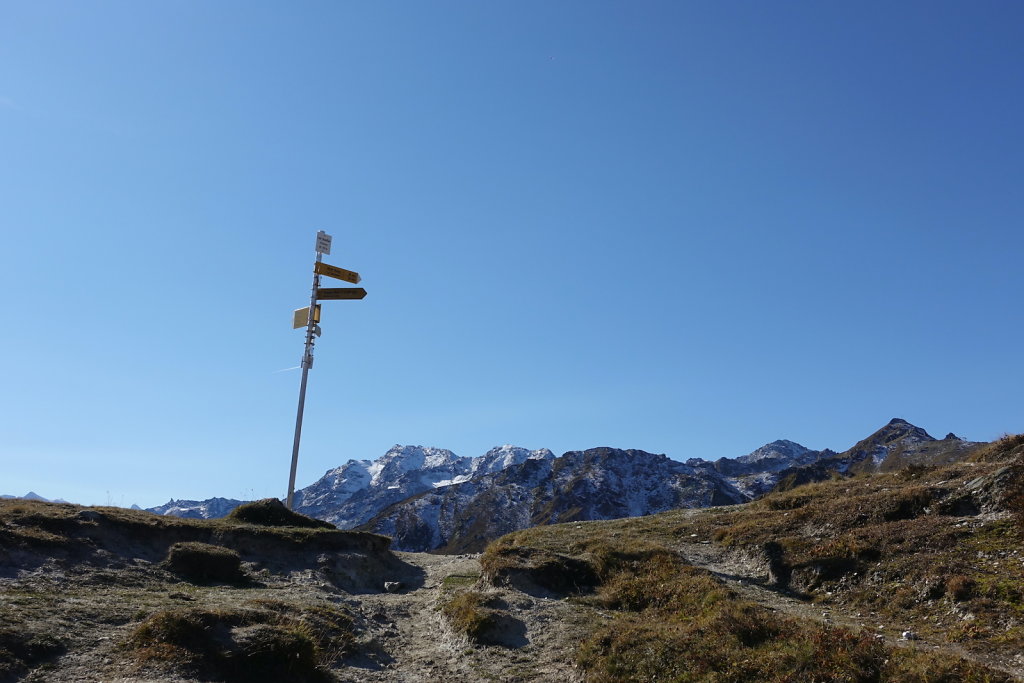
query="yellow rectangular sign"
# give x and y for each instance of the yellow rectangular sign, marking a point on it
(300, 317)
(335, 293)
(327, 269)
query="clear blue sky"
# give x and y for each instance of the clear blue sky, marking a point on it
(686, 227)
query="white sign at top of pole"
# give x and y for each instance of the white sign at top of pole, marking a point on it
(323, 243)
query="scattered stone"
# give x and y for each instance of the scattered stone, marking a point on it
(392, 586)
(909, 635)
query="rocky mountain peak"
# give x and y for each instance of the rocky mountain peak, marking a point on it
(899, 429)
(776, 450)
(400, 459)
(500, 457)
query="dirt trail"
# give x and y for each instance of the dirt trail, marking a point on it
(406, 639)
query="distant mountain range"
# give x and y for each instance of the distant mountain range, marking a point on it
(32, 495)
(354, 493)
(431, 499)
(197, 509)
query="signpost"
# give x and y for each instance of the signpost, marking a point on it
(311, 316)
(321, 268)
(336, 293)
(323, 244)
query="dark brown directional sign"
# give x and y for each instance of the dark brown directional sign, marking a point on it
(327, 269)
(334, 293)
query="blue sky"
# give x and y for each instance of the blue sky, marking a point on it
(686, 227)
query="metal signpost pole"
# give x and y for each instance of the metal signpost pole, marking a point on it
(322, 246)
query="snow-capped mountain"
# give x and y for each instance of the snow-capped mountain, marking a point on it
(606, 483)
(430, 498)
(352, 494)
(197, 509)
(501, 457)
(600, 483)
(759, 471)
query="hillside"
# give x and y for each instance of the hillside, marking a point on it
(817, 583)
(914, 575)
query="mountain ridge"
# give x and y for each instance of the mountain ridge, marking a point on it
(431, 499)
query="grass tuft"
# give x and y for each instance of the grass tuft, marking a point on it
(270, 642)
(272, 512)
(21, 650)
(204, 563)
(467, 613)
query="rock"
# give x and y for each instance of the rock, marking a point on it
(909, 635)
(392, 586)
(952, 437)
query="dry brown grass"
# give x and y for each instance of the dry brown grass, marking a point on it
(272, 512)
(268, 641)
(679, 623)
(203, 562)
(468, 613)
(21, 649)
(907, 547)
(1004, 449)
(55, 529)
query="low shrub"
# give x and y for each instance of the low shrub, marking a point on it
(455, 581)
(468, 614)
(331, 629)
(1014, 495)
(202, 562)
(960, 587)
(20, 650)
(905, 504)
(258, 646)
(530, 567)
(272, 512)
(743, 642)
(661, 583)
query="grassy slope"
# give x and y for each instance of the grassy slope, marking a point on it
(937, 550)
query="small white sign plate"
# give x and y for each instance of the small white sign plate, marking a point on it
(323, 243)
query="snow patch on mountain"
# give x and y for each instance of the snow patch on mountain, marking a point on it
(352, 494)
(197, 509)
(600, 483)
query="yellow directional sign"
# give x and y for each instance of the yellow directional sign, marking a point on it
(300, 318)
(321, 268)
(335, 293)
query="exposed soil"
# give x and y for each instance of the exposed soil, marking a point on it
(407, 640)
(401, 635)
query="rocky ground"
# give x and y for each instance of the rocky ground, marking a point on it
(92, 606)
(401, 635)
(406, 637)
